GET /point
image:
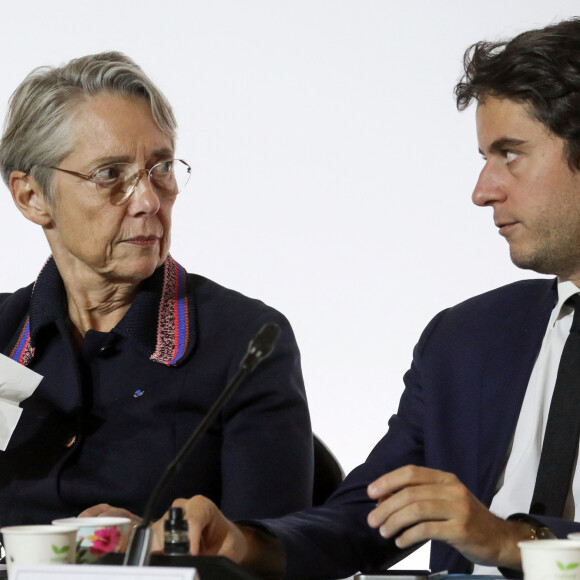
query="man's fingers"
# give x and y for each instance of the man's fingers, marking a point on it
(204, 521)
(420, 532)
(193, 512)
(423, 501)
(407, 476)
(200, 513)
(195, 539)
(409, 515)
(157, 542)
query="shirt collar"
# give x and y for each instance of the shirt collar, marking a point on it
(565, 290)
(160, 320)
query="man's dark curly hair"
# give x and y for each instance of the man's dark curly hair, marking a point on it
(540, 68)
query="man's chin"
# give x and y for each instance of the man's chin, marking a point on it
(542, 264)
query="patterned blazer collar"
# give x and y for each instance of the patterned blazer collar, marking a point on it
(47, 304)
(160, 321)
(162, 316)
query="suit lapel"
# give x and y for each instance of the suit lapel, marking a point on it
(513, 350)
(510, 347)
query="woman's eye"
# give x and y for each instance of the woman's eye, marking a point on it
(105, 174)
(164, 167)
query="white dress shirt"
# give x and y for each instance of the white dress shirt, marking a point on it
(516, 484)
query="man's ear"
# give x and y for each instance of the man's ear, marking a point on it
(29, 198)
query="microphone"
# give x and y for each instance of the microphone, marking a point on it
(139, 550)
(260, 347)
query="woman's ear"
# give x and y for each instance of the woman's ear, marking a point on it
(29, 198)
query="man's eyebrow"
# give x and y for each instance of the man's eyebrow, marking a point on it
(503, 144)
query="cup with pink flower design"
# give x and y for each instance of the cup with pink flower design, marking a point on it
(97, 536)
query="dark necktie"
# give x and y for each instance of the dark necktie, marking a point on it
(560, 444)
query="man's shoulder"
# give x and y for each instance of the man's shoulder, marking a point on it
(520, 302)
(524, 293)
(492, 318)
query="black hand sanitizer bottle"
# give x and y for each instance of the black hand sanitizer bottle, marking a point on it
(176, 537)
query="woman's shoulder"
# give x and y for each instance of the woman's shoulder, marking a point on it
(13, 308)
(210, 294)
(217, 304)
(18, 300)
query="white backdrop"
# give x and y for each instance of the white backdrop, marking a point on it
(332, 173)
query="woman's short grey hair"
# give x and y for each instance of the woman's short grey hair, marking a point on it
(37, 129)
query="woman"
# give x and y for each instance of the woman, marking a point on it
(132, 349)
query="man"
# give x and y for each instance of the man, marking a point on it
(459, 462)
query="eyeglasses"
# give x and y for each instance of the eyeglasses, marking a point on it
(119, 180)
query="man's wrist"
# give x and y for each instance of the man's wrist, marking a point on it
(537, 529)
(528, 528)
(264, 552)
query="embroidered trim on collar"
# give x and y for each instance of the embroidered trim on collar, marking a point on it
(173, 320)
(23, 351)
(172, 339)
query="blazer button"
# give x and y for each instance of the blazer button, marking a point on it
(71, 441)
(106, 350)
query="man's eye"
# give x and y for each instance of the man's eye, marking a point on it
(510, 156)
(107, 174)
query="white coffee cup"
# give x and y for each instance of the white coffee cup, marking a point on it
(550, 559)
(39, 544)
(97, 536)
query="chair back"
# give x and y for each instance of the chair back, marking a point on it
(328, 473)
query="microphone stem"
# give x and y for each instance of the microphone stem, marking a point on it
(259, 348)
(175, 465)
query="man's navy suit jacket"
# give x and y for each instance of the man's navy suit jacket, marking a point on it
(458, 413)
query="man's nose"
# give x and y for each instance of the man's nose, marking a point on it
(489, 187)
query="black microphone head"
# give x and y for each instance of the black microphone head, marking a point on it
(263, 343)
(260, 346)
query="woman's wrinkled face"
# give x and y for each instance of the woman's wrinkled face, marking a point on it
(122, 243)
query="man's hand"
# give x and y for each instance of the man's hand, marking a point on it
(417, 504)
(212, 534)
